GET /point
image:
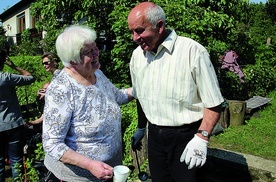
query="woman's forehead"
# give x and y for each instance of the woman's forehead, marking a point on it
(46, 59)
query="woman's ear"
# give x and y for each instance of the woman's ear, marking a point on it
(56, 64)
(73, 63)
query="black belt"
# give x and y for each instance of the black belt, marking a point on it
(193, 125)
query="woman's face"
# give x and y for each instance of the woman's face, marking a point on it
(90, 57)
(48, 64)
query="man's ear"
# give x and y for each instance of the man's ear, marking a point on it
(160, 24)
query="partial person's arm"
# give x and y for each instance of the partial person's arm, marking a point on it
(129, 93)
(13, 66)
(136, 143)
(195, 152)
(142, 119)
(37, 121)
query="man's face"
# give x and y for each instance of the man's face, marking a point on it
(143, 32)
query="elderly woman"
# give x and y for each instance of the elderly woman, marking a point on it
(82, 118)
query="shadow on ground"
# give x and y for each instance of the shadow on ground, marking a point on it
(221, 170)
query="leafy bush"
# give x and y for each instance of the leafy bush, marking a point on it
(231, 87)
(29, 45)
(259, 81)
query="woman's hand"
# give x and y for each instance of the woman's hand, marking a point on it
(101, 170)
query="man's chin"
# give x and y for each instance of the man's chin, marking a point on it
(145, 48)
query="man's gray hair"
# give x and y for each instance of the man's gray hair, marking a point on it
(154, 13)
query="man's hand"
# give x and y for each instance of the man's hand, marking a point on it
(195, 152)
(136, 143)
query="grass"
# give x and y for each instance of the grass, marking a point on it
(256, 137)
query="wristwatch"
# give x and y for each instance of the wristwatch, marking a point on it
(203, 133)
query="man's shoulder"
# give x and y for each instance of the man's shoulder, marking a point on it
(191, 43)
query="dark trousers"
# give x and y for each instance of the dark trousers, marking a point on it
(11, 141)
(165, 146)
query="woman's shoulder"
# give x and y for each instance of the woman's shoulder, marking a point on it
(99, 74)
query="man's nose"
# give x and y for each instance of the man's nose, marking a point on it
(136, 37)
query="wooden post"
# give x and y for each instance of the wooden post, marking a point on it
(237, 112)
(224, 120)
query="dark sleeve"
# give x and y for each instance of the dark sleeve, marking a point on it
(142, 119)
(19, 80)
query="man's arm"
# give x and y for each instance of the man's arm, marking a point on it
(142, 119)
(136, 143)
(195, 152)
(210, 118)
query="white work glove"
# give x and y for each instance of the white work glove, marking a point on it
(195, 152)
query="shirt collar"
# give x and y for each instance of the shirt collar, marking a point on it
(167, 44)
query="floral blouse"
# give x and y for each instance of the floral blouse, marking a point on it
(86, 119)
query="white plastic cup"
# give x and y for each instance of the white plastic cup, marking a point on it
(121, 173)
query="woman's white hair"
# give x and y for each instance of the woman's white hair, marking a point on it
(70, 42)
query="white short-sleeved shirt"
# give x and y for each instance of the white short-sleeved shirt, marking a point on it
(86, 119)
(175, 84)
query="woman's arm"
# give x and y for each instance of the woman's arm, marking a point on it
(99, 169)
(37, 121)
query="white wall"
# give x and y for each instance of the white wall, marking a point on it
(11, 25)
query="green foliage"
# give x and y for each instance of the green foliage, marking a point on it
(231, 86)
(129, 125)
(218, 25)
(260, 79)
(270, 7)
(256, 137)
(39, 152)
(29, 45)
(30, 174)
